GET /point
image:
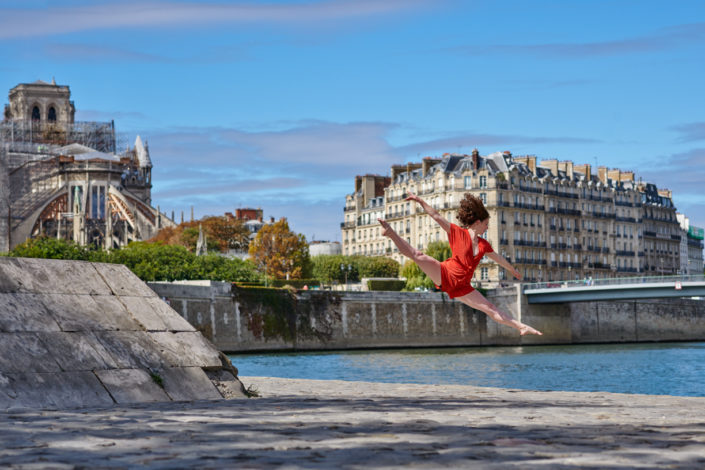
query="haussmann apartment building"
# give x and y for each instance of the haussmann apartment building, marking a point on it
(552, 220)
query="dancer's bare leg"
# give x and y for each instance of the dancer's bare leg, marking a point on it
(478, 301)
(429, 265)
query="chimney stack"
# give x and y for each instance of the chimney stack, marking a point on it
(602, 174)
(475, 159)
(627, 176)
(551, 165)
(532, 164)
(615, 174)
(583, 169)
(665, 193)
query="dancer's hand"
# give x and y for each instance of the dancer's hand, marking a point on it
(386, 228)
(516, 273)
(412, 197)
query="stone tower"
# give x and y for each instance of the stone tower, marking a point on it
(41, 101)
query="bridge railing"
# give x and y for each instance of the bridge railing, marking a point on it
(614, 281)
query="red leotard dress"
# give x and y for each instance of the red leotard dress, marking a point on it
(457, 271)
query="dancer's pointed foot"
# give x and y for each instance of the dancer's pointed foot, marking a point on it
(527, 330)
(387, 230)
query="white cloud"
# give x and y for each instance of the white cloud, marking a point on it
(301, 170)
(16, 23)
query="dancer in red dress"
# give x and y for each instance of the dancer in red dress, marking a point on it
(453, 275)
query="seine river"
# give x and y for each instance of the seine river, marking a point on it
(644, 368)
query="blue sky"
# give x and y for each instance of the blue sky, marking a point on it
(280, 104)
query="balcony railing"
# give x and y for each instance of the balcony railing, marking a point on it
(625, 253)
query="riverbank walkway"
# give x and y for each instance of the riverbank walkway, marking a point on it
(334, 424)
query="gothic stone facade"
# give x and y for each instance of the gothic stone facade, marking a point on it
(65, 179)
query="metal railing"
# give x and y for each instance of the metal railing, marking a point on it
(615, 281)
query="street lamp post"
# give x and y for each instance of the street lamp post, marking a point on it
(346, 269)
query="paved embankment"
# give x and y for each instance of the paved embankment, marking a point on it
(334, 424)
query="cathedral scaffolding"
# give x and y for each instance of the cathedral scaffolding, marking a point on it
(25, 140)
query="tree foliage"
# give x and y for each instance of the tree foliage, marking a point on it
(149, 261)
(415, 278)
(338, 268)
(52, 248)
(376, 266)
(222, 233)
(277, 251)
(439, 250)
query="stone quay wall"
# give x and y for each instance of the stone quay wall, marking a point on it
(256, 319)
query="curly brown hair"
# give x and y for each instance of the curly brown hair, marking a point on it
(471, 210)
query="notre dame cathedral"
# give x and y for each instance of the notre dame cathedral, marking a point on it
(72, 180)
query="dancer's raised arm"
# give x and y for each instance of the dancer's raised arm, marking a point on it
(500, 260)
(445, 225)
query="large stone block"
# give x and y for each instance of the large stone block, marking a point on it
(121, 281)
(25, 312)
(31, 275)
(78, 351)
(88, 313)
(227, 384)
(143, 313)
(154, 314)
(24, 352)
(72, 277)
(134, 349)
(132, 386)
(188, 383)
(15, 277)
(187, 349)
(52, 390)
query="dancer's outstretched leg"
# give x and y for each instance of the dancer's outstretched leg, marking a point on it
(427, 264)
(478, 301)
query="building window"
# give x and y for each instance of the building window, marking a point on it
(468, 182)
(35, 114)
(483, 197)
(483, 182)
(51, 116)
(484, 274)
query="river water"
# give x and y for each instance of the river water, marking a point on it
(644, 368)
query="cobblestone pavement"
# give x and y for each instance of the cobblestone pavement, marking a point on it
(335, 424)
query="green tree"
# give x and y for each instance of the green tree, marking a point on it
(149, 261)
(376, 266)
(279, 252)
(327, 268)
(415, 277)
(439, 250)
(50, 248)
